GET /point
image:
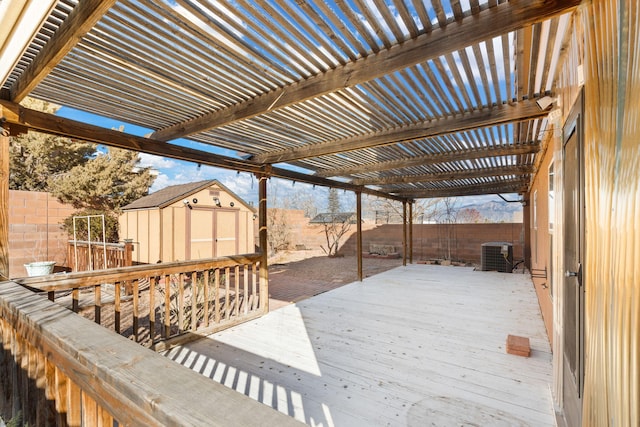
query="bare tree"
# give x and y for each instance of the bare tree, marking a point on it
(279, 237)
(448, 216)
(335, 227)
(389, 211)
(469, 215)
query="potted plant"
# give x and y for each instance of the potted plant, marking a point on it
(39, 268)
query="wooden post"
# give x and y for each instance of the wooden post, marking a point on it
(264, 249)
(411, 232)
(128, 253)
(404, 232)
(526, 222)
(4, 204)
(359, 233)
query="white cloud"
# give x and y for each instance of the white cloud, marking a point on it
(156, 162)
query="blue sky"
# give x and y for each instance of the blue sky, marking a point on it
(172, 172)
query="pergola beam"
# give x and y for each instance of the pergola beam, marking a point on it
(446, 176)
(15, 114)
(454, 156)
(487, 24)
(514, 186)
(506, 113)
(80, 21)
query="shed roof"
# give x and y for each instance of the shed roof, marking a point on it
(175, 193)
(403, 98)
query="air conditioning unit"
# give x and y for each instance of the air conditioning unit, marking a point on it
(497, 256)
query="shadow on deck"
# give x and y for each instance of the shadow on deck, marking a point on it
(416, 345)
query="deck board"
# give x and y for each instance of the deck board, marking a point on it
(417, 345)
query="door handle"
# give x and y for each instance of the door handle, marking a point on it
(576, 274)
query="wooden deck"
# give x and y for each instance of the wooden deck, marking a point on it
(417, 345)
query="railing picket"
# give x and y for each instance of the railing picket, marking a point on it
(40, 374)
(74, 404)
(152, 310)
(226, 292)
(216, 295)
(89, 410)
(181, 303)
(135, 309)
(254, 292)
(116, 306)
(104, 418)
(205, 281)
(75, 306)
(32, 363)
(62, 394)
(236, 300)
(97, 303)
(49, 379)
(194, 301)
(167, 306)
(246, 288)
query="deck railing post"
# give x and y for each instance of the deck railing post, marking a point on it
(128, 253)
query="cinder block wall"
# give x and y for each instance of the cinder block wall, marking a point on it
(35, 232)
(459, 242)
(429, 240)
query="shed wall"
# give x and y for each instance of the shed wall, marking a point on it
(178, 232)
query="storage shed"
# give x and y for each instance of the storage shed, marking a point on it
(188, 221)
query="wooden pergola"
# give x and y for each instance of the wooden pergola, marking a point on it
(401, 100)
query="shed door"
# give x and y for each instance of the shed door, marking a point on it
(226, 237)
(201, 237)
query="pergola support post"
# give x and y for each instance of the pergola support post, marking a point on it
(526, 222)
(4, 204)
(359, 233)
(411, 232)
(263, 236)
(404, 232)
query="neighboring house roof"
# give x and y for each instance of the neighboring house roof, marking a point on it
(174, 193)
(328, 218)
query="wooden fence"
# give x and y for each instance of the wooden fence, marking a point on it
(89, 256)
(158, 305)
(59, 369)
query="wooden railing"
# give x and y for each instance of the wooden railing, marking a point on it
(89, 256)
(158, 305)
(59, 369)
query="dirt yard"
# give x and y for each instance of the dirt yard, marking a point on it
(296, 275)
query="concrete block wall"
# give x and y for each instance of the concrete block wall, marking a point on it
(35, 232)
(436, 241)
(429, 240)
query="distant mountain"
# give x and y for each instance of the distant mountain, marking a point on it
(497, 211)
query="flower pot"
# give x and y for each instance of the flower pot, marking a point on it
(40, 268)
